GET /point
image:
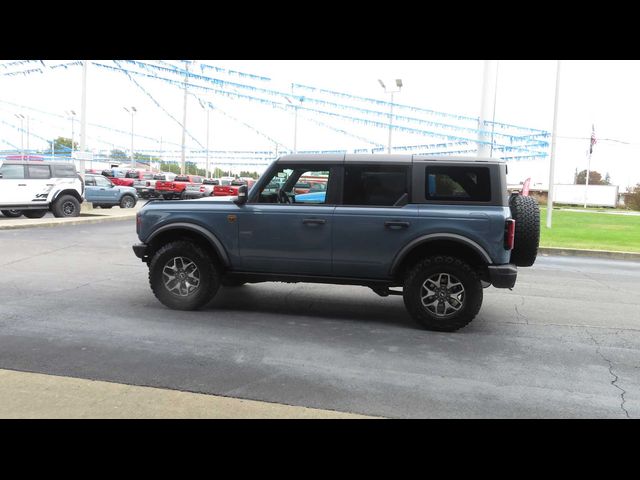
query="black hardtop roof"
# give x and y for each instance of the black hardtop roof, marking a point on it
(381, 158)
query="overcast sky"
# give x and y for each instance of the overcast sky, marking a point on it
(602, 93)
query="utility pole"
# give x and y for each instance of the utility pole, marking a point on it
(27, 134)
(489, 88)
(206, 168)
(184, 120)
(83, 117)
(553, 148)
(133, 158)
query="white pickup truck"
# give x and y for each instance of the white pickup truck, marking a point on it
(199, 190)
(146, 186)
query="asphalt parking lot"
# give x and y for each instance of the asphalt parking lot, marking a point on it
(565, 343)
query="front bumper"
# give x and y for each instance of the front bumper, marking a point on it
(140, 249)
(503, 276)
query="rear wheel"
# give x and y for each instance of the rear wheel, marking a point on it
(183, 276)
(12, 213)
(442, 293)
(66, 206)
(35, 213)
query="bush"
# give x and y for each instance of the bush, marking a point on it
(632, 200)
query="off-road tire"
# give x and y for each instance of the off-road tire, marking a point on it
(127, 201)
(413, 293)
(66, 206)
(526, 212)
(35, 213)
(209, 277)
(12, 213)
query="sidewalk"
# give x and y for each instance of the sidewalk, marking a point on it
(26, 395)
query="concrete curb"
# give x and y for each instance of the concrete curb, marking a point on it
(574, 252)
(59, 222)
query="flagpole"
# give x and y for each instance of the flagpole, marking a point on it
(552, 160)
(586, 183)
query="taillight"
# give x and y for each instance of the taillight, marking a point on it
(202, 189)
(509, 233)
(148, 184)
(138, 222)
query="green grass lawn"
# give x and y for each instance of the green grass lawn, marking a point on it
(592, 231)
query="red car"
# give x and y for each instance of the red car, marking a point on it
(118, 176)
(227, 190)
(175, 188)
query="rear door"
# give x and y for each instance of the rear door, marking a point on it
(39, 182)
(374, 220)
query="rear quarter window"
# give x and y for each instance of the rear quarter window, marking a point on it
(458, 183)
(64, 171)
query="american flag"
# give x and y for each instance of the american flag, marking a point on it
(593, 139)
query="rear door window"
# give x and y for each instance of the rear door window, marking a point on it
(39, 171)
(375, 185)
(453, 183)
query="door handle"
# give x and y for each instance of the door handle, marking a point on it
(314, 221)
(396, 225)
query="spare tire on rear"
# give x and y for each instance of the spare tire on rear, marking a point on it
(526, 212)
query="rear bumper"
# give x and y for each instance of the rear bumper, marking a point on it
(503, 276)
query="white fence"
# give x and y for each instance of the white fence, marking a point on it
(596, 195)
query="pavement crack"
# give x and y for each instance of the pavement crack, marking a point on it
(520, 315)
(38, 255)
(611, 372)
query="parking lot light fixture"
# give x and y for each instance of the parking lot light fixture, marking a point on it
(399, 86)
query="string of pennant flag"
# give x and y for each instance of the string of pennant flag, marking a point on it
(512, 141)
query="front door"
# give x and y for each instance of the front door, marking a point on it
(281, 231)
(13, 185)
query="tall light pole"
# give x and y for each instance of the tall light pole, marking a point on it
(133, 159)
(21, 117)
(206, 168)
(552, 160)
(184, 120)
(72, 115)
(27, 134)
(295, 123)
(399, 85)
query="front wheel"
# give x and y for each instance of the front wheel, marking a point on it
(442, 293)
(183, 276)
(127, 201)
(12, 213)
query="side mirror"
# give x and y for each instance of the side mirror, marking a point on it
(242, 195)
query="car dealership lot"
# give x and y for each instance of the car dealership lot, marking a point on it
(565, 343)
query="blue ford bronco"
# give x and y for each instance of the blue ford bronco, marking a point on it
(440, 228)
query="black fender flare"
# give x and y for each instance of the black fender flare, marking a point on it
(210, 237)
(400, 256)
